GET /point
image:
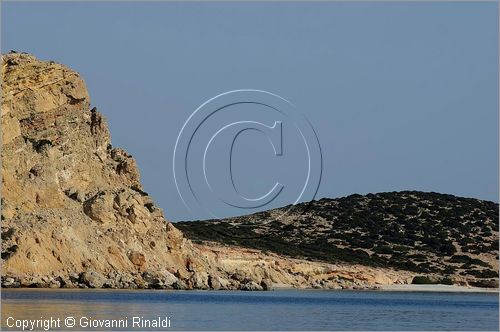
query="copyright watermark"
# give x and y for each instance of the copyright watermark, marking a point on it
(209, 146)
(84, 322)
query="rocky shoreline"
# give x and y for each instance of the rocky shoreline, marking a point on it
(238, 269)
(145, 280)
(251, 270)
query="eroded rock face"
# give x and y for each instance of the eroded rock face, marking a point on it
(71, 202)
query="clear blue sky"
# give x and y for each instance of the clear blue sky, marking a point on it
(403, 96)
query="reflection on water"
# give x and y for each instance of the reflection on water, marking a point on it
(283, 310)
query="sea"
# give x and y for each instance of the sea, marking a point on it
(346, 310)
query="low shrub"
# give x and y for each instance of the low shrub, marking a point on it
(423, 280)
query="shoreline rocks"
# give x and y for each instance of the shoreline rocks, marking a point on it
(146, 280)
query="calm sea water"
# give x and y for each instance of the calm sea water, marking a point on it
(278, 310)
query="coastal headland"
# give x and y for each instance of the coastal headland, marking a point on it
(75, 215)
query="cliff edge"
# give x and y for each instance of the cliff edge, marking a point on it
(73, 207)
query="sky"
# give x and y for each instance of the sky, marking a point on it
(401, 96)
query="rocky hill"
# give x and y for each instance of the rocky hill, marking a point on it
(442, 236)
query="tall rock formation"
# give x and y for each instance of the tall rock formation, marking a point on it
(71, 202)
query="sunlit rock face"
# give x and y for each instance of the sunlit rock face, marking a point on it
(71, 202)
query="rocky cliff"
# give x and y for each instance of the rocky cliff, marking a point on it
(71, 202)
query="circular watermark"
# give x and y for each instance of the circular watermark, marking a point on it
(209, 145)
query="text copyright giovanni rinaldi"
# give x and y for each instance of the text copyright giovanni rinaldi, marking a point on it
(48, 323)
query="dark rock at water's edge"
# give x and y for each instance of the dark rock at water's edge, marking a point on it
(146, 280)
